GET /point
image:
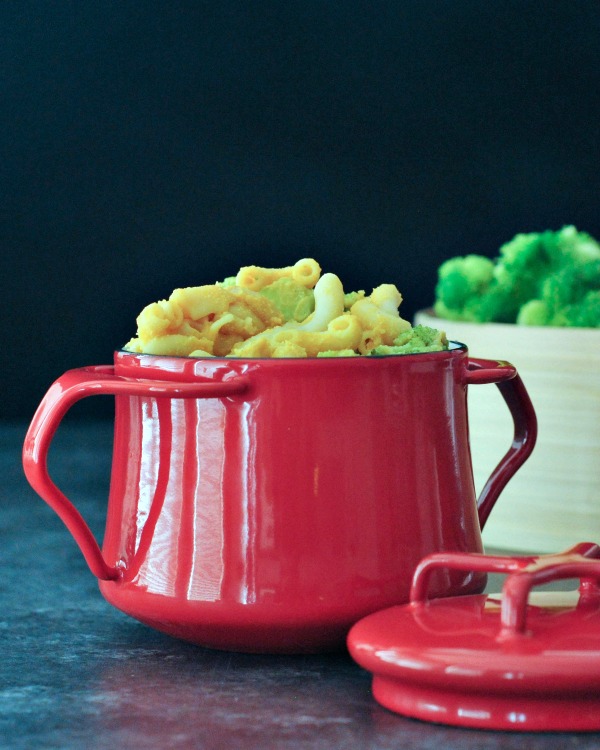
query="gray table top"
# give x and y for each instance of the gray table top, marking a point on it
(76, 673)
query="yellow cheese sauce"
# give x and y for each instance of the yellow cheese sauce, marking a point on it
(280, 312)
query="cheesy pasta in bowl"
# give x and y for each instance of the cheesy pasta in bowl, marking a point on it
(280, 312)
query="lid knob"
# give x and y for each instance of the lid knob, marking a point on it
(524, 572)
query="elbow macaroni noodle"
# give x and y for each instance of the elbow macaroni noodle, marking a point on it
(329, 304)
(305, 272)
(246, 316)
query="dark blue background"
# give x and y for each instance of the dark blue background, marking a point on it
(147, 145)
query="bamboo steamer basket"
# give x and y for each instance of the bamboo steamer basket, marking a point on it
(553, 502)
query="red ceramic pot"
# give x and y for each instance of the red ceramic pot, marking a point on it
(267, 505)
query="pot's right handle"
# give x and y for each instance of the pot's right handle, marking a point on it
(510, 385)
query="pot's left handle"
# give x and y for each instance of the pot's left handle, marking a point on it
(63, 393)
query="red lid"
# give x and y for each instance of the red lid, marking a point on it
(495, 661)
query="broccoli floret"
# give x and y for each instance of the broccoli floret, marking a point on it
(294, 301)
(571, 295)
(578, 247)
(534, 313)
(426, 337)
(498, 304)
(521, 263)
(547, 278)
(414, 340)
(586, 314)
(351, 297)
(529, 259)
(460, 281)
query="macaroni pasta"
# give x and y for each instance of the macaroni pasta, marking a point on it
(280, 312)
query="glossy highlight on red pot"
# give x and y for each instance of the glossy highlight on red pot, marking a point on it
(267, 505)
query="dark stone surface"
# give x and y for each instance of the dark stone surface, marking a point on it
(76, 673)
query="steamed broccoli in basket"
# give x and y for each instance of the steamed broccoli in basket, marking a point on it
(547, 278)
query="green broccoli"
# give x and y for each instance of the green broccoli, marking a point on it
(462, 280)
(569, 297)
(534, 313)
(547, 278)
(414, 340)
(351, 297)
(294, 301)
